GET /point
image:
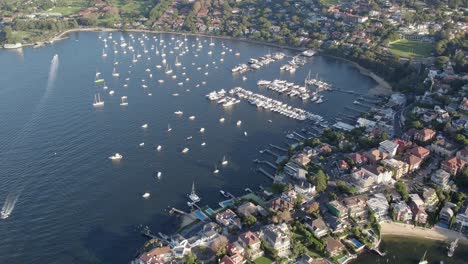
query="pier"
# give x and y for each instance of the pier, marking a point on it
(279, 148)
(299, 135)
(266, 162)
(272, 153)
(266, 173)
(376, 250)
(175, 210)
(345, 91)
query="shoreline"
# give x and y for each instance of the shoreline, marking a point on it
(435, 233)
(382, 87)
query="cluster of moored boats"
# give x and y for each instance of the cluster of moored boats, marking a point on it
(221, 98)
(293, 64)
(262, 101)
(284, 87)
(254, 64)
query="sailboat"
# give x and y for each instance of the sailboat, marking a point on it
(177, 62)
(193, 195)
(452, 247)
(216, 171)
(168, 69)
(104, 54)
(211, 42)
(169, 128)
(97, 101)
(115, 73)
(134, 59)
(224, 162)
(423, 259)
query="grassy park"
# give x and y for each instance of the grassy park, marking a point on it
(411, 49)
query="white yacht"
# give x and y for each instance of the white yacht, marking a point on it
(221, 119)
(239, 123)
(124, 101)
(179, 112)
(111, 92)
(192, 117)
(159, 175)
(97, 101)
(224, 162)
(146, 195)
(116, 156)
(159, 148)
(245, 133)
(216, 171)
(185, 150)
(202, 130)
(203, 144)
(144, 126)
(142, 144)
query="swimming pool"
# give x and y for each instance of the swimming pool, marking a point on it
(226, 203)
(200, 215)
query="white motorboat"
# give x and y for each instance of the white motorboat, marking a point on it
(178, 112)
(203, 144)
(225, 161)
(146, 195)
(158, 148)
(202, 130)
(142, 144)
(192, 117)
(124, 101)
(97, 101)
(222, 119)
(185, 150)
(144, 126)
(245, 133)
(159, 175)
(239, 123)
(116, 156)
(111, 92)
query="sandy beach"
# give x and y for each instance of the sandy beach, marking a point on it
(435, 233)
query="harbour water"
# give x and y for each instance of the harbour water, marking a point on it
(74, 205)
(411, 250)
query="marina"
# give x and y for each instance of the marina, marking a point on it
(72, 140)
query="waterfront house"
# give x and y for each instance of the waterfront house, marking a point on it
(430, 199)
(424, 135)
(402, 212)
(279, 204)
(388, 147)
(446, 213)
(227, 260)
(156, 256)
(296, 171)
(441, 178)
(301, 159)
(246, 209)
(337, 209)
(278, 237)
(356, 206)
(443, 147)
(453, 165)
(333, 247)
(378, 204)
(399, 168)
(228, 219)
(417, 208)
(462, 218)
(317, 227)
(235, 252)
(252, 242)
(307, 190)
(335, 224)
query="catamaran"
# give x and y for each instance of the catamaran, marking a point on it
(193, 196)
(97, 101)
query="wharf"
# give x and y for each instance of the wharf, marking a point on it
(266, 173)
(279, 148)
(265, 162)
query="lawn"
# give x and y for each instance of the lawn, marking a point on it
(66, 10)
(263, 260)
(411, 49)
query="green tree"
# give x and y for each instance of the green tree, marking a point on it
(320, 181)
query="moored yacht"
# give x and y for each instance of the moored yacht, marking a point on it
(116, 156)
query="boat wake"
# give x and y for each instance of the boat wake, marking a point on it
(9, 205)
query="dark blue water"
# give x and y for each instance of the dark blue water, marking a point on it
(76, 206)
